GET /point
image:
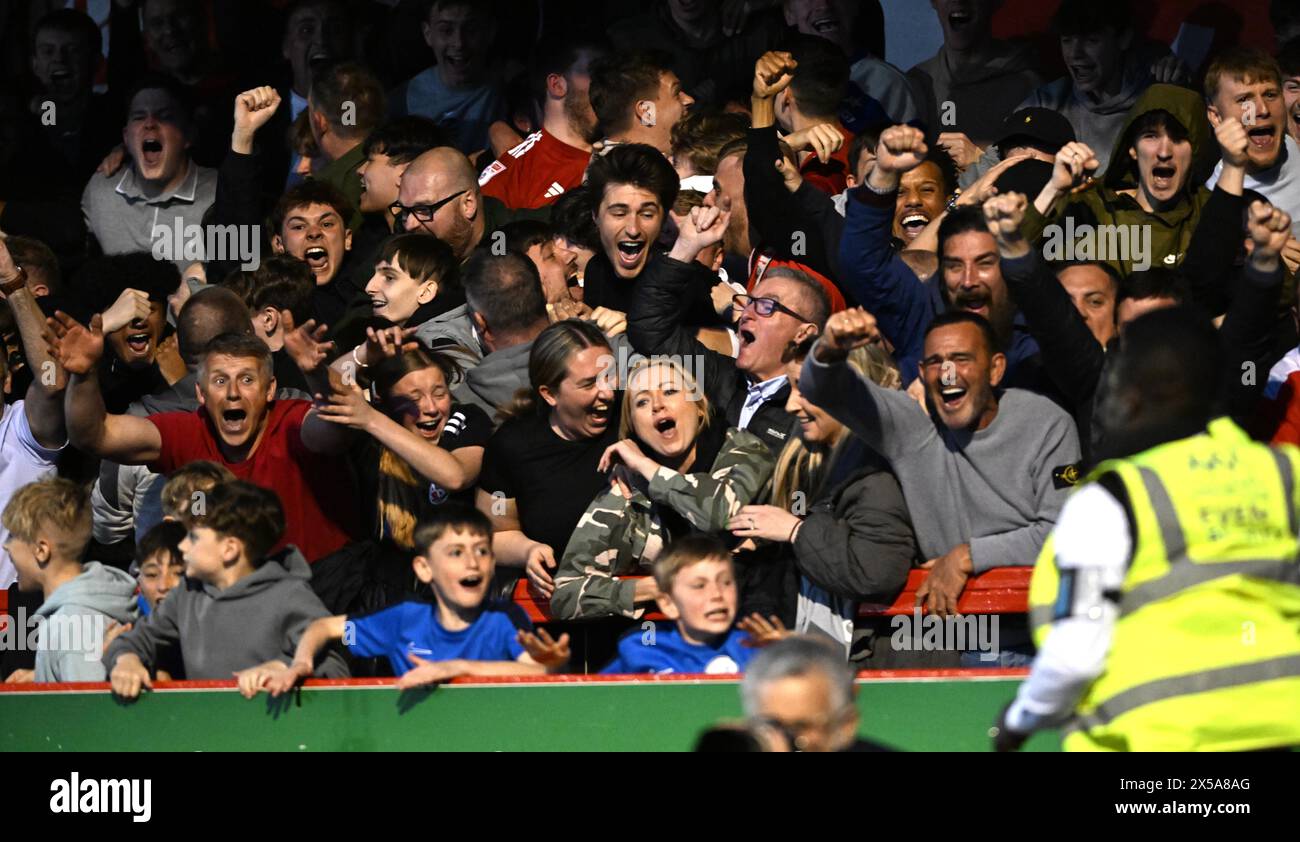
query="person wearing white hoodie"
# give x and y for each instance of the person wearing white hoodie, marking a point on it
(49, 526)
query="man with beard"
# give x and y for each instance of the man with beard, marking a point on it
(346, 104)
(1246, 85)
(553, 159)
(970, 274)
(985, 480)
(462, 91)
(162, 188)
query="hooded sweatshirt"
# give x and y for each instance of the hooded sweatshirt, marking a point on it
(259, 618)
(1102, 203)
(981, 96)
(75, 618)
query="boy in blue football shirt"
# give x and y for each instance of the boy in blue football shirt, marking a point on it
(697, 590)
(462, 634)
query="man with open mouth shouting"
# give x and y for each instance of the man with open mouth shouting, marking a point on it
(982, 479)
(162, 189)
(283, 445)
(1247, 85)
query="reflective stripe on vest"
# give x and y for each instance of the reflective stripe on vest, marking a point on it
(1184, 573)
(1185, 685)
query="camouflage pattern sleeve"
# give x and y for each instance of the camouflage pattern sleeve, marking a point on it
(610, 540)
(708, 500)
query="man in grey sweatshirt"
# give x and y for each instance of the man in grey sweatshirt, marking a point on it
(984, 476)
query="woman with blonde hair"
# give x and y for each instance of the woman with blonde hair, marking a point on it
(838, 514)
(674, 471)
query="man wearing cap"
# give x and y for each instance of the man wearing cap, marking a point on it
(1033, 133)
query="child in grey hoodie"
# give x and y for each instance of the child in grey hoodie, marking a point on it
(238, 608)
(49, 527)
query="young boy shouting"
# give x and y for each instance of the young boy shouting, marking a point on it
(462, 634)
(237, 610)
(49, 526)
(697, 590)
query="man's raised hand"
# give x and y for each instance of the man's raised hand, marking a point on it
(1269, 229)
(1075, 162)
(253, 108)
(697, 230)
(901, 148)
(1003, 214)
(306, 344)
(846, 330)
(772, 73)
(1233, 141)
(75, 347)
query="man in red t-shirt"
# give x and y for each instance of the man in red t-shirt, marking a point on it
(552, 160)
(282, 445)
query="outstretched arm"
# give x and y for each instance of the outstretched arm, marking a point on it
(122, 438)
(44, 399)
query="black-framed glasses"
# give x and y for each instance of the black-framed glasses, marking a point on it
(424, 213)
(764, 306)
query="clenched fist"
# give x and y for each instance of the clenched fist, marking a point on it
(846, 330)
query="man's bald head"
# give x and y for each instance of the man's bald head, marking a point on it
(207, 314)
(443, 175)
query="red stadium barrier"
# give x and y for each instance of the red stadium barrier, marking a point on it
(1001, 590)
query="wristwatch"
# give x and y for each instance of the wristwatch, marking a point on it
(18, 282)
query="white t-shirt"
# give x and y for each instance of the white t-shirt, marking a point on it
(22, 461)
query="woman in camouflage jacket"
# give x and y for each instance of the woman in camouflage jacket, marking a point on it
(672, 473)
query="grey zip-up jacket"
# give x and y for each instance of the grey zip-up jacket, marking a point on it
(219, 632)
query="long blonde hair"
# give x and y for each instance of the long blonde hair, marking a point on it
(799, 469)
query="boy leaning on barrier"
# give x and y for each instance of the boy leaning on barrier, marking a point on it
(463, 633)
(239, 611)
(49, 526)
(697, 592)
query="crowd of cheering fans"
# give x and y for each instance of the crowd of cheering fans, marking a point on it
(329, 323)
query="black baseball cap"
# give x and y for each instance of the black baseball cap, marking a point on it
(1041, 127)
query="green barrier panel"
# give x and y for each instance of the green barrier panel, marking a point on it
(918, 715)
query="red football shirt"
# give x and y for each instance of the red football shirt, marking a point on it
(320, 516)
(534, 173)
(829, 176)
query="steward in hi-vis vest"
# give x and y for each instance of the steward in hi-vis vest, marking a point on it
(1166, 603)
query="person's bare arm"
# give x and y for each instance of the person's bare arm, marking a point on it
(127, 439)
(44, 399)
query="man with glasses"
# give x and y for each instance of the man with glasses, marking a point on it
(783, 310)
(439, 195)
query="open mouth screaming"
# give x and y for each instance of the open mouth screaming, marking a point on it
(952, 397)
(317, 258)
(151, 151)
(1162, 177)
(913, 224)
(630, 253)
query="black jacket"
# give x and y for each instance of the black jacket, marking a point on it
(857, 540)
(654, 326)
(1075, 361)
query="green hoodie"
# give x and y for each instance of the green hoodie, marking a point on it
(1102, 203)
